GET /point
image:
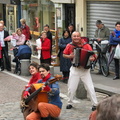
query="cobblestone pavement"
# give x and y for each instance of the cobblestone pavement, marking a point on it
(80, 111)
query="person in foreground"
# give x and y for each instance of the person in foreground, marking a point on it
(107, 109)
(77, 73)
(54, 105)
(33, 69)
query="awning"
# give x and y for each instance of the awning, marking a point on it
(14, 2)
(5, 1)
(63, 1)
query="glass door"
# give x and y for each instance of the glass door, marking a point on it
(11, 18)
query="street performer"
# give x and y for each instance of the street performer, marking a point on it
(77, 73)
(54, 105)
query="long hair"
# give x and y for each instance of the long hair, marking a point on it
(109, 108)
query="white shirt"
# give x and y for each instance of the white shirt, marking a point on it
(2, 38)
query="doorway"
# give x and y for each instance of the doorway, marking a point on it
(69, 14)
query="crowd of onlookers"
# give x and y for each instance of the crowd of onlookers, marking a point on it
(108, 109)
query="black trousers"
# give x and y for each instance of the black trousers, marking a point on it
(7, 62)
(65, 74)
(116, 67)
(48, 61)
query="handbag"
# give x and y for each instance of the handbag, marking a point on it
(117, 52)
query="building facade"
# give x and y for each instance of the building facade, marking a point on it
(38, 13)
(88, 11)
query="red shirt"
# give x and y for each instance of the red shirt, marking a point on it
(45, 51)
(34, 79)
(83, 55)
(70, 48)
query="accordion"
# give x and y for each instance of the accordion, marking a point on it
(81, 58)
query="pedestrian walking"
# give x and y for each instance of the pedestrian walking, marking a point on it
(77, 73)
(4, 45)
(65, 63)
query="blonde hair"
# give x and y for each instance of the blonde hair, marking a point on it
(18, 30)
(43, 32)
(23, 20)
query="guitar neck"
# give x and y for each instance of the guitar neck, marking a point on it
(34, 94)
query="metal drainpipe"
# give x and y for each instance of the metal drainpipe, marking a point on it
(19, 15)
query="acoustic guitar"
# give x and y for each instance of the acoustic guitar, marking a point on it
(37, 95)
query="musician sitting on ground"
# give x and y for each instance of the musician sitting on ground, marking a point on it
(53, 107)
(77, 73)
(33, 69)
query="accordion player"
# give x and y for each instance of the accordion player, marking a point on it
(81, 57)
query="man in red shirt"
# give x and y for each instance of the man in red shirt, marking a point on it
(77, 73)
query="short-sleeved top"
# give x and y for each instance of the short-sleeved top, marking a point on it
(70, 48)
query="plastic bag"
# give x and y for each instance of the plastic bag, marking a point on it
(117, 52)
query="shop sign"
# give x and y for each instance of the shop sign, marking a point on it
(63, 1)
(33, 5)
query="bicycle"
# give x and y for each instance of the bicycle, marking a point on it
(103, 61)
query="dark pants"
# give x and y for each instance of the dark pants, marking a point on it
(65, 74)
(7, 62)
(116, 67)
(48, 61)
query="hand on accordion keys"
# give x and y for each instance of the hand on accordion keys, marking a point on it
(71, 55)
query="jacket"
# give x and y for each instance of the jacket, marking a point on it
(6, 34)
(45, 51)
(26, 31)
(53, 96)
(104, 33)
(65, 63)
(114, 38)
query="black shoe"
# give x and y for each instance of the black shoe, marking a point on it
(69, 106)
(2, 69)
(65, 80)
(115, 78)
(8, 69)
(93, 108)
